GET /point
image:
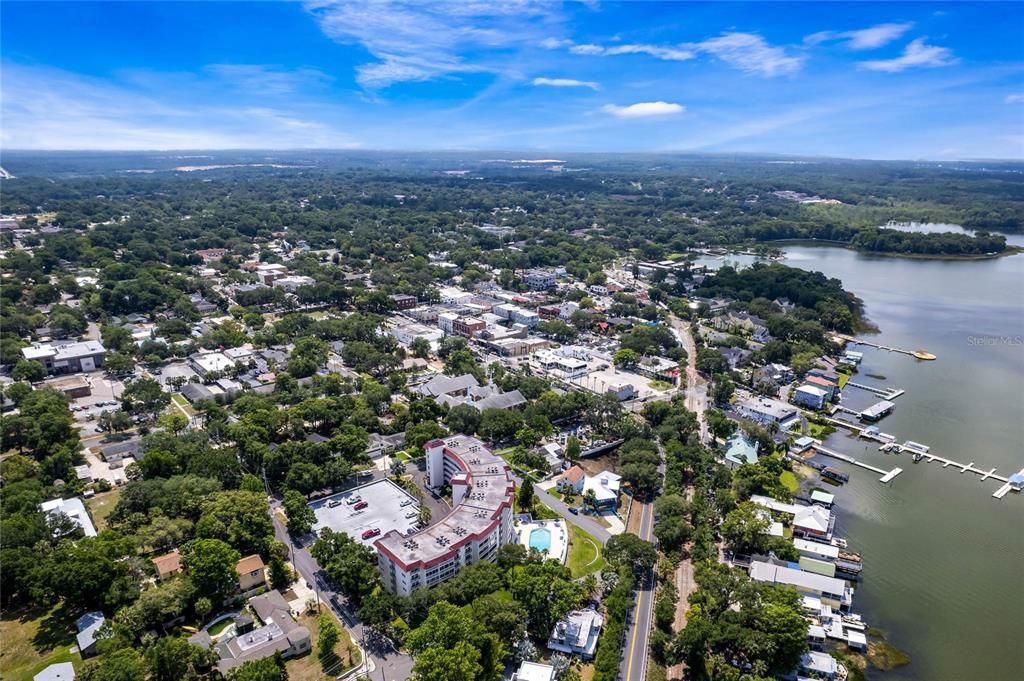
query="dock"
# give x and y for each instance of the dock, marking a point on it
(885, 393)
(1007, 486)
(917, 354)
(887, 476)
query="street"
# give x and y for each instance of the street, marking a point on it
(392, 664)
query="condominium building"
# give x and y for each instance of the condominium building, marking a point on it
(480, 522)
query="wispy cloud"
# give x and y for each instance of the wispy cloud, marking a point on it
(747, 52)
(267, 79)
(751, 53)
(417, 41)
(53, 109)
(566, 82)
(1015, 98)
(863, 39)
(917, 54)
(656, 51)
(644, 109)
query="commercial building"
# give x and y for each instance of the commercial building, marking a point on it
(480, 522)
(765, 411)
(540, 280)
(517, 315)
(403, 301)
(66, 358)
(564, 367)
(468, 327)
(293, 282)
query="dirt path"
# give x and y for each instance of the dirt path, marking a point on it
(696, 387)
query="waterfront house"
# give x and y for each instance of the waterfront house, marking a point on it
(810, 396)
(831, 591)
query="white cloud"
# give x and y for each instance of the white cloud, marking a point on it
(566, 82)
(417, 41)
(1016, 98)
(751, 53)
(747, 52)
(656, 51)
(267, 79)
(863, 39)
(916, 54)
(555, 43)
(51, 109)
(644, 109)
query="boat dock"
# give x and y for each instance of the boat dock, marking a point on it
(885, 393)
(917, 354)
(887, 476)
(1008, 485)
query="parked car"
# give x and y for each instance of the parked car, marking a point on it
(360, 506)
(353, 500)
(334, 503)
(372, 532)
(405, 503)
(411, 514)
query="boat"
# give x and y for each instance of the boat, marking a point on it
(835, 475)
(918, 456)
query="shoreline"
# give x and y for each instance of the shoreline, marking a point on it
(1009, 251)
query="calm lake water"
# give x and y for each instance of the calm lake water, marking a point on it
(944, 561)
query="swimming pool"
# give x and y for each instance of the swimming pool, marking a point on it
(540, 539)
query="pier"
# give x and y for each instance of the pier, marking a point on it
(917, 354)
(1008, 485)
(887, 476)
(885, 393)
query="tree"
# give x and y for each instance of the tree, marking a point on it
(308, 355)
(420, 347)
(28, 370)
(349, 564)
(211, 567)
(458, 663)
(629, 550)
(238, 518)
(305, 477)
(328, 636)
(174, 422)
(463, 418)
(526, 495)
(172, 658)
(572, 449)
(497, 425)
(723, 389)
(300, 515)
(719, 424)
(268, 669)
(626, 359)
(114, 421)
(745, 529)
(145, 396)
(125, 664)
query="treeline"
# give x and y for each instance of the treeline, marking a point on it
(943, 243)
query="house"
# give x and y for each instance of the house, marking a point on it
(813, 521)
(74, 509)
(605, 486)
(196, 392)
(252, 573)
(67, 358)
(820, 665)
(539, 280)
(60, 671)
(773, 375)
(278, 633)
(740, 450)
(403, 301)
(571, 479)
(534, 671)
(802, 444)
(88, 626)
(211, 254)
(810, 396)
(167, 565)
(736, 357)
(832, 592)
(577, 633)
(831, 388)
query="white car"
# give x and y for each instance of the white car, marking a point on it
(353, 500)
(405, 503)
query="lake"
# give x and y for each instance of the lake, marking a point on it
(944, 561)
(939, 227)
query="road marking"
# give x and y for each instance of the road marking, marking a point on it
(632, 644)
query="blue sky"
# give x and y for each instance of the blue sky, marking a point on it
(866, 80)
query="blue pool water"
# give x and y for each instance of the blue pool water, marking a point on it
(540, 539)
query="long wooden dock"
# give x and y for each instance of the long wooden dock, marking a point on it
(887, 476)
(1001, 492)
(886, 393)
(917, 354)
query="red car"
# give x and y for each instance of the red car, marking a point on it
(372, 532)
(361, 505)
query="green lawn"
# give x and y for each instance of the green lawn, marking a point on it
(843, 378)
(220, 626)
(311, 667)
(180, 400)
(789, 479)
(584, 552)
(101, 506)
(33, 640)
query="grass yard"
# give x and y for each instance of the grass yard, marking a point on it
(35, 639)
(310, 668)
(584, 552)
(101, 506)
(789, 479)
(843, 378)
(180, 400)
(820, 431)
(220, 626)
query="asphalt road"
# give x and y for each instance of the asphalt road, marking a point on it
(389, 664)
(595, 529)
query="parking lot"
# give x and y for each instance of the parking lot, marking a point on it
(384, 511)
(105, 395)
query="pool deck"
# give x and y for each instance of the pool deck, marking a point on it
(559, 548)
